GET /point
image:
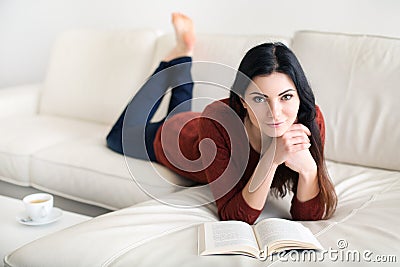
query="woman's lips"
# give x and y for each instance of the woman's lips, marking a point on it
(276, 124)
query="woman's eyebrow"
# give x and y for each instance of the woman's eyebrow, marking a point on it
(284, 92)
(257, 93)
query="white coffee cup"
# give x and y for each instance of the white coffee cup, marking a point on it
(38, 206)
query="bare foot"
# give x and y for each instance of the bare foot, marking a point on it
(185, 36)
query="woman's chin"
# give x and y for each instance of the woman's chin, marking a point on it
(276, 132)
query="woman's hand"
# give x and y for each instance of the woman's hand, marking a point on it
(292, 148)
(302, 162)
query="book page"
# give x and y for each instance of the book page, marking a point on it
(280, 234)
(228, 237)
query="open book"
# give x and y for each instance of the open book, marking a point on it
(260, 240)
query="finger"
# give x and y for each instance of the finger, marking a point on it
(298, 147)
(299, 126)
(299, 140)
(295, 134)
(302, 146)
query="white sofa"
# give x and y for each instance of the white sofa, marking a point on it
(55, 141)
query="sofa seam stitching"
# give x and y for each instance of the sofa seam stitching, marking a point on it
(356, 210)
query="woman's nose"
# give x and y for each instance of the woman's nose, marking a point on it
(275, 110)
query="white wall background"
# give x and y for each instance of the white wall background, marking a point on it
(28, 27)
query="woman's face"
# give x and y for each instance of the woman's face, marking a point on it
(272, 103)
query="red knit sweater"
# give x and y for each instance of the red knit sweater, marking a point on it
(192, 127)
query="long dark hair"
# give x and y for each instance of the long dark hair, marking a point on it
(265, 59)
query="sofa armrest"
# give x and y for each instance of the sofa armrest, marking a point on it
(19, 100)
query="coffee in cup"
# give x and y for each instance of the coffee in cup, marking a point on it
(38, 206)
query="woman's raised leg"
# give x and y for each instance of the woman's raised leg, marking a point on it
(133, 134)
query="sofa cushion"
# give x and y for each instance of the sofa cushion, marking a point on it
(87, 171)
(93, 74)
(142, 235)
(19, 100)
(25, 135)
(356, 82)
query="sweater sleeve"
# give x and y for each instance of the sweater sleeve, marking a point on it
(231, 204)
(312, 209)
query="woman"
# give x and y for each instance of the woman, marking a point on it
(277, 144)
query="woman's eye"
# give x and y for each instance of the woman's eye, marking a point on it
(259, 99)
(287, 97)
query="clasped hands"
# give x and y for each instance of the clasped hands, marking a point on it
(292, 148)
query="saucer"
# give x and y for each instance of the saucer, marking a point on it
(54, 215)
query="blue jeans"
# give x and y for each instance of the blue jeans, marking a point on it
(133, 128)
